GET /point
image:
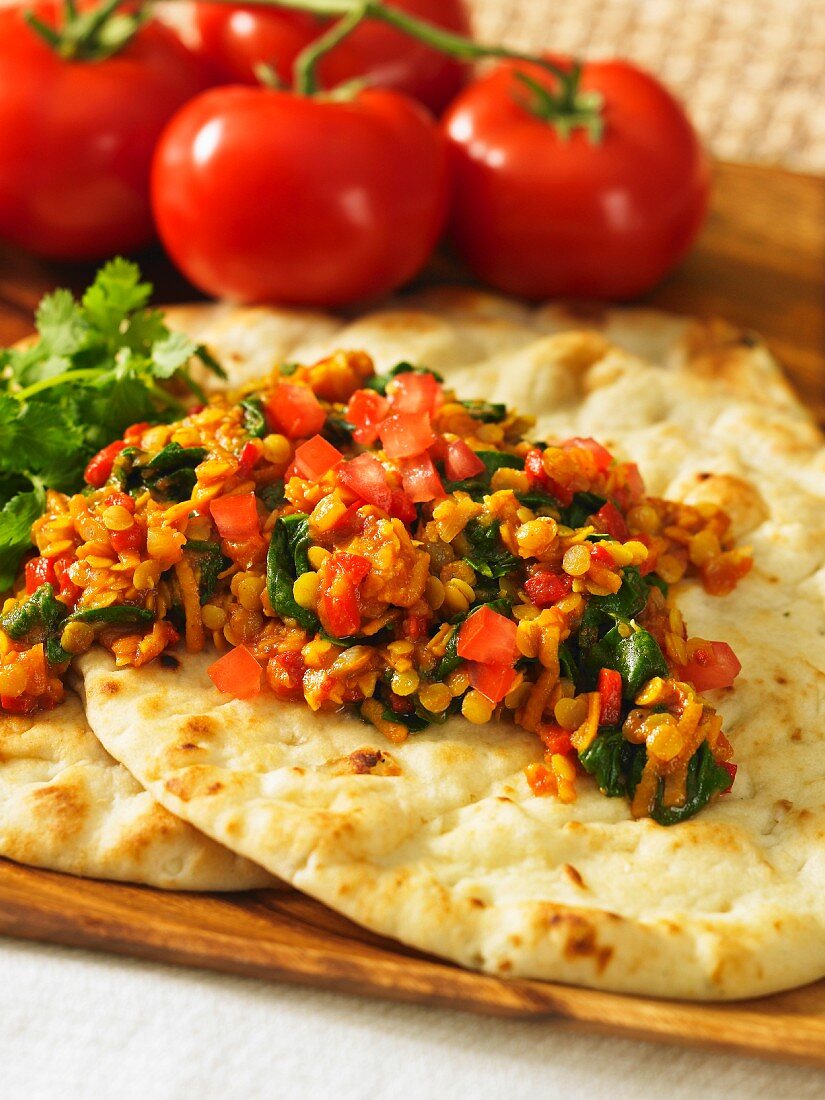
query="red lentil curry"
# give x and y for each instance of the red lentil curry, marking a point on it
(373, 543)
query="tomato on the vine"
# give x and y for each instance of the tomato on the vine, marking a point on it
(236, 39)
(597, 193)
(265, 195)
(77, 135)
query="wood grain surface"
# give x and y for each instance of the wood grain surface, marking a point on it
(760, 264)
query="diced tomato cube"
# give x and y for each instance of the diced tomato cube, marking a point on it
(237, 673)
(39, 571)
(250, 456)
(338, 606)
(545, 588)
(236, 517)
(405, 435)
(367, 478)
(130, 539)
(714, 665)
(492, 681)
(602, 554)
(415, 393)
(67, 590)
(294, 411)
(18, 704)
(602, 457)
(534, 468)
(556, 739)
(610, 697)
(315, 457)
(414, 627)
(613, 522)
(731, 769)
(123, 500)
(488, 637)
(99, 469)
(461, 461)
(420, 479)
(352, 566)
(366, 410)
(285, 673)
(401, 507)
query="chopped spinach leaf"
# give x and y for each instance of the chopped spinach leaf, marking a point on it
(211, 563)
(488, 556)
(254, 421)
(285, 561)
(610, 760)
(42, 618)
(415, 723)
(584, 505)
(36, 618)
(637, 659)
(705, 778)
(272, 495)
(338, 431)
(175, 457)
(486, 411)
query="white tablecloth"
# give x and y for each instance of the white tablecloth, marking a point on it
(78, 1025)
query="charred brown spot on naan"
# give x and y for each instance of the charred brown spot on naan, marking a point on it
(110, 688)
(198, 781)
(201, 725)
(574, 875)
(367, 761)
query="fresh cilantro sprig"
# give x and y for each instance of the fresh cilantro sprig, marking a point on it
(99, 365)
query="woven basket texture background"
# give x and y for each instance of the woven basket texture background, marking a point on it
(751, 71)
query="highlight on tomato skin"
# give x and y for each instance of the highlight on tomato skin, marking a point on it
(420, 479)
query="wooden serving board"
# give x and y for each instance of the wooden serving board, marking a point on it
(760, 264)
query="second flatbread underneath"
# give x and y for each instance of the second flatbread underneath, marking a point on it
(66, 805)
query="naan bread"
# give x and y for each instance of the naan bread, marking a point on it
(66, 805)
(440, 843)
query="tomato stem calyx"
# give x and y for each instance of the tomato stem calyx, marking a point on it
(92, 35)
(567, 109)
(352, 12)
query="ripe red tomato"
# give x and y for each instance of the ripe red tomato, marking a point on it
(263, 195)
(76, 138)
(540, 215)
(235, 39)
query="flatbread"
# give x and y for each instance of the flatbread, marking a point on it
(66, 805)
(442, 844)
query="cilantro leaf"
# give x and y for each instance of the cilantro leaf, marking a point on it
(116, 292)
(16, 520)
(171, 353)
(97, 367)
